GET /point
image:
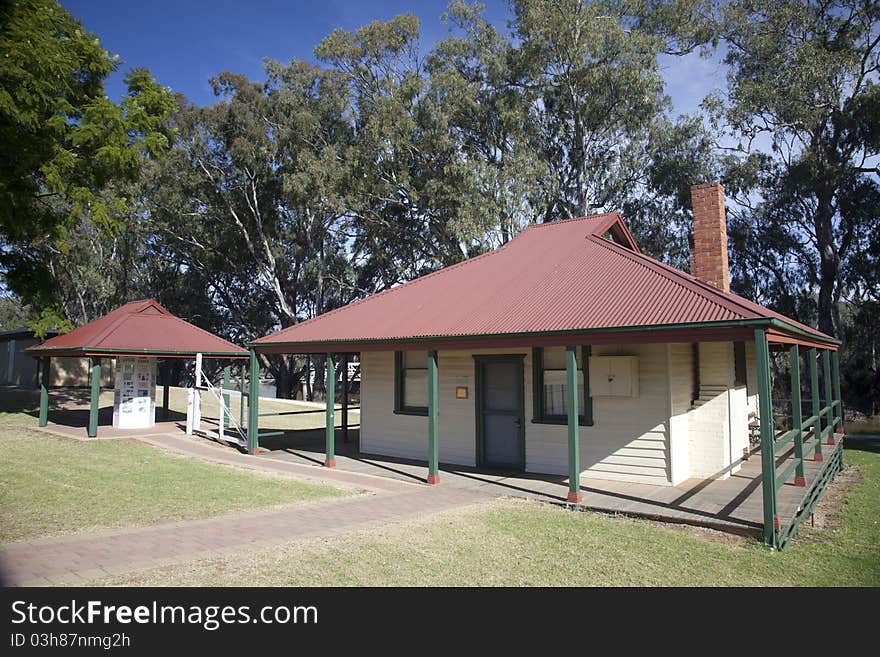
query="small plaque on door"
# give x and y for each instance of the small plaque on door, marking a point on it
(461, 392)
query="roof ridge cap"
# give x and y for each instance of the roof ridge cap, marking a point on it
(570, 220)
(677, 276)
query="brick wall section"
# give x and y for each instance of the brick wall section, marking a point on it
(709, 254)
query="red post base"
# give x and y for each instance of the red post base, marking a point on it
(575, 498)
(839, 430)
(830, 441)
(818, 457)
(433, 478)
(330, 463)
(800, 481)
(255, 451)
(776, 523)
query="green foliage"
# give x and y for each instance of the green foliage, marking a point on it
(63, 140)
(801, 103)
(13, 314)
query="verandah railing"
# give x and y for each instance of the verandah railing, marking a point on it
(788, 450)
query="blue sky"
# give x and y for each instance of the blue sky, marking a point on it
(186, 42)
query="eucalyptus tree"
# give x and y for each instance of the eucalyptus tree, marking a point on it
(801, 111)
(252, 199)
(474, 75)
(412, 193)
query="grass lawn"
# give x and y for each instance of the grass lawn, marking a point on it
(51, 485)
(516, 542)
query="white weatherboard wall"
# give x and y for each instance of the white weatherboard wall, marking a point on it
(629, 440)
(681, 382)
(718, 423)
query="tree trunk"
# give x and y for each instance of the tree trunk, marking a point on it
(284, 380)
(829, 263)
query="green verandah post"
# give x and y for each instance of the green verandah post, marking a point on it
(768, 452)
(433, 420)
(44, 392)
(253, 425)
(330, 397)
(574, 452)
(797, 421)
(813, 357)
(835, 381)
(826, 380)
(96, 393)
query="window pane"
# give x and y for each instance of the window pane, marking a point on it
(555, 390)
(415, 387)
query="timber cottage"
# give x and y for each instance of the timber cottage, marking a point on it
(569, 352)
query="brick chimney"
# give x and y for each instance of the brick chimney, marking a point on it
(709, 249)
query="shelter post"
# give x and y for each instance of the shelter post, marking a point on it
(344, 398)
(330, 399)
(44, 391)
(242, 420)
(253, 426)
(433, 419)
(166, 384)
(96, 393)
(574, 452)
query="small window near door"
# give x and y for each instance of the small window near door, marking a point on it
(549, 383)
(411, 382)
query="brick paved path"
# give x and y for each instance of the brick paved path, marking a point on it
(76, 558)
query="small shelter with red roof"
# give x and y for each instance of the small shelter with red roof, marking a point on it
(567, 351)
(136, 335)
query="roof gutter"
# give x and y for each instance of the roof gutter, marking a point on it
(791, 328)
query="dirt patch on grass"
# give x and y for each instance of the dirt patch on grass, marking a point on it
(828, 513)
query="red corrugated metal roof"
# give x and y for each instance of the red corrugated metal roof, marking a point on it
(138, 327)
(561, 276)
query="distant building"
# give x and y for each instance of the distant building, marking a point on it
(19, 369)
